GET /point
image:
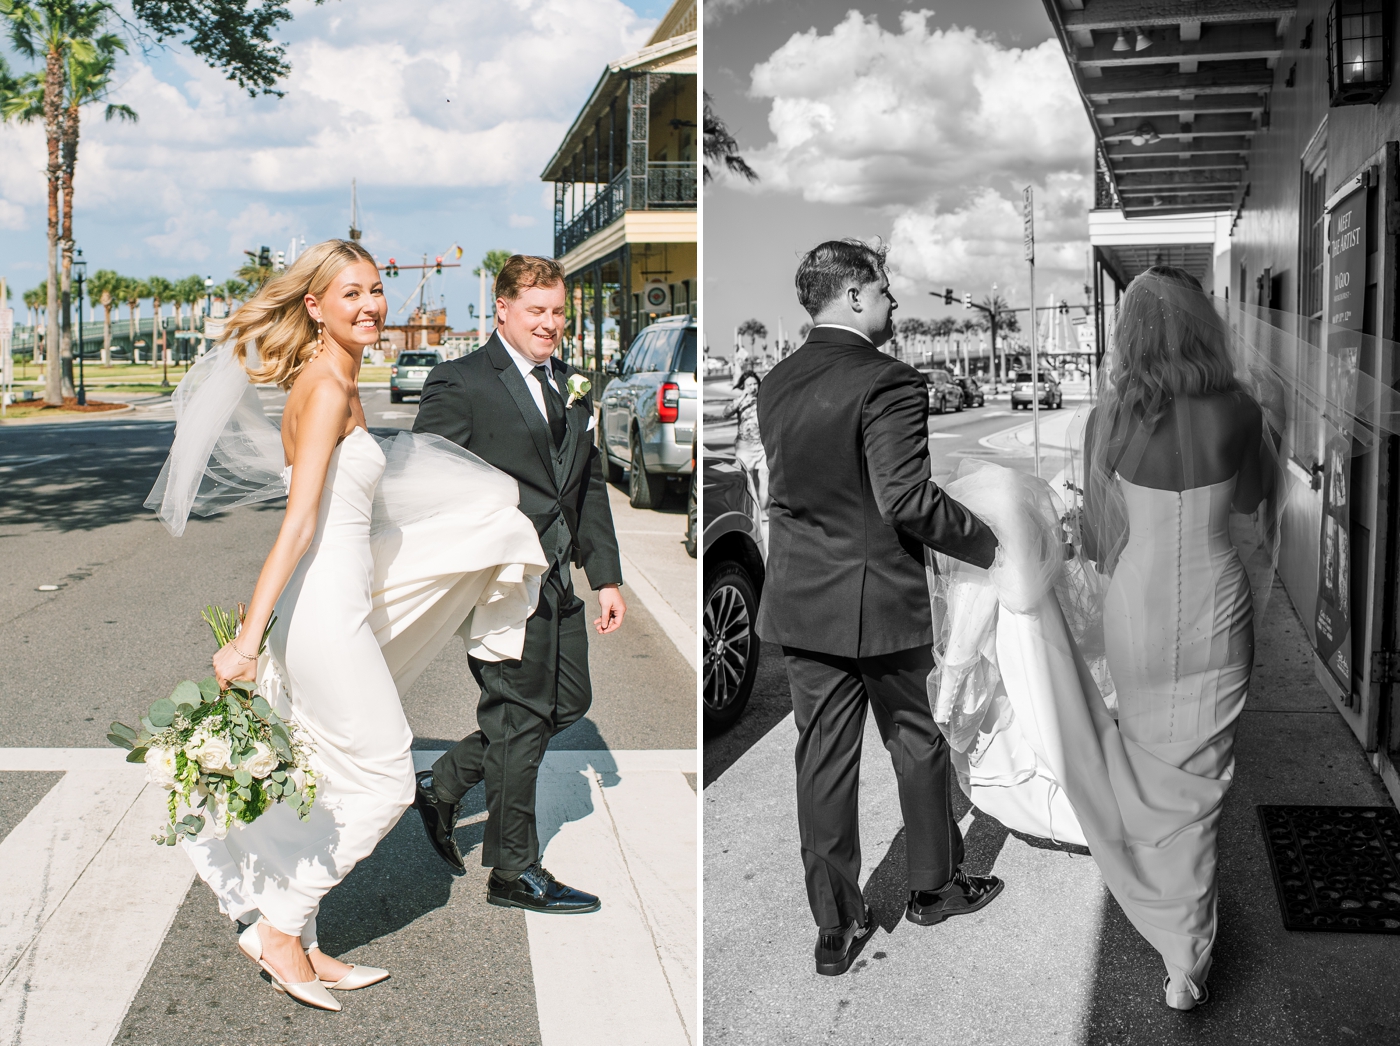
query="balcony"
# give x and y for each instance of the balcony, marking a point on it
(665, 186)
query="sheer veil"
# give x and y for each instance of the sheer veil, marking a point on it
(227, 451)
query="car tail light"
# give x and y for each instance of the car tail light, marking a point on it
(668, 402)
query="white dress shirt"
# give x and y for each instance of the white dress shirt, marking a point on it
(527, 371)
(843, 327)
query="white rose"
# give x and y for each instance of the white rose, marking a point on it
(298, 778)
(160, 767)
(215, 817)
(264, 760)
(213, 752)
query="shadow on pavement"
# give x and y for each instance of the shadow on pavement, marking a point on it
(80, 476)
(769, 705)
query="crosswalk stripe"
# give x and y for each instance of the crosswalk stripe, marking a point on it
(88, 898)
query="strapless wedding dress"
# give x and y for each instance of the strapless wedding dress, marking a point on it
(1139, 777)
(368, 607)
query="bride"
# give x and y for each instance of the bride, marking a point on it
(385, 551)
(1137, 769)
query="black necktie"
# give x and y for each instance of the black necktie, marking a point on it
(553, 405)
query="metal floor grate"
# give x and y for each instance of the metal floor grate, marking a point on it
(1336, 868)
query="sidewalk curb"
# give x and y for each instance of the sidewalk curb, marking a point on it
(69, 419)
(677, 631)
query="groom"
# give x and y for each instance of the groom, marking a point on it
(852, 508)
(518, 406)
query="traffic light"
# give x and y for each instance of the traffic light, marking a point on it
(437, 269)
(1064, 307)
(947, 295)
(264, 257)
(967, 299)
(393, 269)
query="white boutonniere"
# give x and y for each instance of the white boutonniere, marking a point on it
(578, 387)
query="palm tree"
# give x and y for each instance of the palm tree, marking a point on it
(35, 300)
(67, 36)
(252, 273)
(159, 290)
(103, 287)
(132, 291)
(189, 291)
(232, 291)
(721, 145)
(754, 330)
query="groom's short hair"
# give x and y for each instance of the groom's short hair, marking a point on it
(523, 271)
(827, 269)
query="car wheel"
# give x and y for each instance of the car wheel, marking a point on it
(395, 396)
(644, 489)
(731, 644)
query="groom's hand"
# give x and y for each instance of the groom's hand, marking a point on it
(613, 608)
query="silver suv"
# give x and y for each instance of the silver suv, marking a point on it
(409, 371)
(647, 418)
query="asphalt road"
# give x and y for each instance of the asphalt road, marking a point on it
(123, 627)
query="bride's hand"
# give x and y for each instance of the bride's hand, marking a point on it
(230, 663)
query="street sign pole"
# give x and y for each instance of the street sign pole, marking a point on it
(1028, 236)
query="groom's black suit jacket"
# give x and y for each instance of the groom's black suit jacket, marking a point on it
(480, 401)
(852, 505)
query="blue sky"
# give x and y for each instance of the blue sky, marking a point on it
(445, 113)
(872, 119)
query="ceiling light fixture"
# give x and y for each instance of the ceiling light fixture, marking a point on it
(1121, 44)
(1143, 41)
(1146, 134)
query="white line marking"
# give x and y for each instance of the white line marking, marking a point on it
(679, 633)
(89, 898)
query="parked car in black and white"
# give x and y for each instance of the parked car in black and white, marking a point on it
(1050, 394)
(973, 396)
(943, 393)
(647, 415)
(733, 584)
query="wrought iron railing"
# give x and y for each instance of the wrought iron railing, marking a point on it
(669, 186)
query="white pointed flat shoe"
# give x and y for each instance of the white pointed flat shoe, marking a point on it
(312, 993)
(1184, 1000)
(358, 977)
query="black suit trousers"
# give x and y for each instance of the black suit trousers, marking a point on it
(523, 704)
(829, 698)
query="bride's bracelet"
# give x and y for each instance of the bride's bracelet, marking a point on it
(245, 657)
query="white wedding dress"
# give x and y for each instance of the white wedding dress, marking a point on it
(1140, 775)
(372, 601)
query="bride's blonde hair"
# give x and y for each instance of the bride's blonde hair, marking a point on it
(274, 323)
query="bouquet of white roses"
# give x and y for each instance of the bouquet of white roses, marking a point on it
(223, 752)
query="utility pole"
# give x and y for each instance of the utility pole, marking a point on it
(355, 231)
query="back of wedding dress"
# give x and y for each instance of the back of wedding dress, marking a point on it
(1133, 761)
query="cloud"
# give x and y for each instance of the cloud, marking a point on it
(937, 128)
(862, 115)
(415, 94)
(11, 215)
(980, 243)
(522, 221)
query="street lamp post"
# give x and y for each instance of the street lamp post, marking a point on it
(158, 337)
(80, 273)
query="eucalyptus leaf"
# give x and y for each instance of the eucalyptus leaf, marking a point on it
(272, 788)
(261, 708)
(209, 690)
(279, 776)
(246, 794)
(162, 713)
(282, 748)
(124, 730)
(187, 693)
(243, 777)
(120, 741)
(149, 726)
(137, 755)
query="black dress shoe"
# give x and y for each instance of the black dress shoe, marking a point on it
(439, 818)
(836, 951)
(963, 894)
(538, 891)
